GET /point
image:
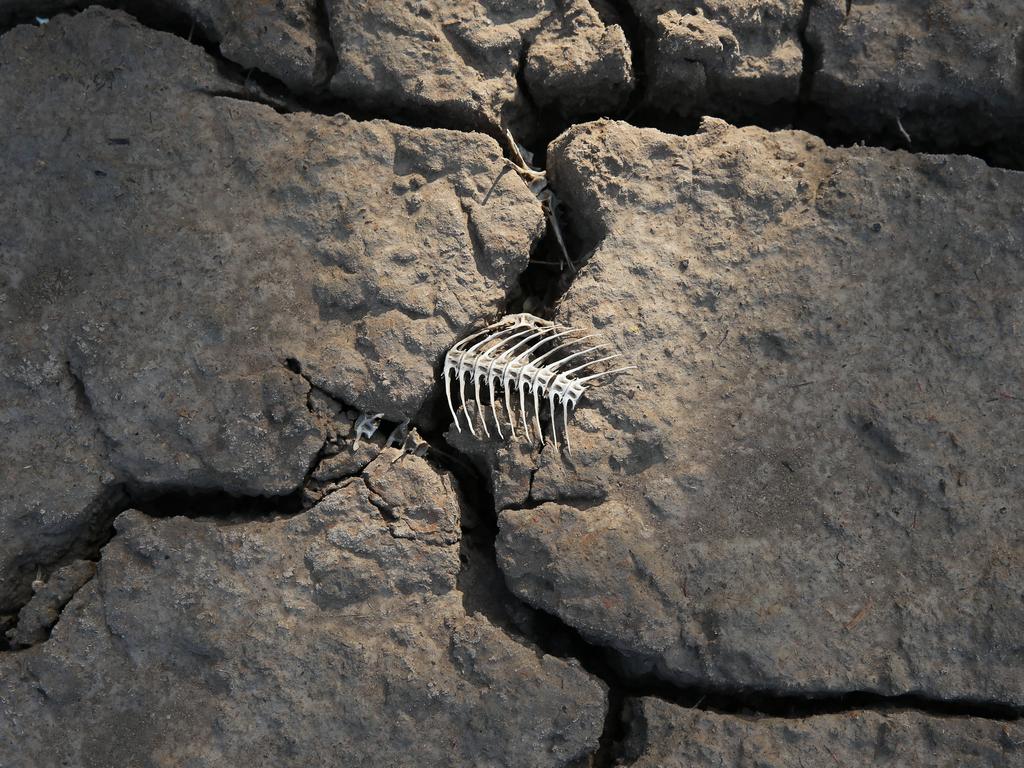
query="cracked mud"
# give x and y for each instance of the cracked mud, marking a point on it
(794, 536)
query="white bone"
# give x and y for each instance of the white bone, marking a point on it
(480, 374)
(608, 373)
(513, 365)
(506, 381)
(566, 344)
(366, 426)
(476, 392)
(536, 412)
(522, 412)
(503, 357)
(593, 362)
(550, 206)
(558, 364)
(451, 368)
(565, 424)
(545, 371)
(463, 370)
(455, 368)
(491, 376)
(553, 415)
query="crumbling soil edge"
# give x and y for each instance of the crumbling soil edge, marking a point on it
(800, 114)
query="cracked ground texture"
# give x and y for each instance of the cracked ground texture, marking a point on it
(811, 484)
(170, 249)
(793, 537)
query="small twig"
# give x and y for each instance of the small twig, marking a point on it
(502, 172)
(859, 617)
(537, 180)
(903, 131)
(551, 209)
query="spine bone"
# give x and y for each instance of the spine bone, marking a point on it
(525, 353)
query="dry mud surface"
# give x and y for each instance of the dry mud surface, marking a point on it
(234, 233)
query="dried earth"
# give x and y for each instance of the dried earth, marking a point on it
(942, 73)
(458, 62)
(237, 231)
(663, 735)
(811, 484)
(334, 634)
(721, 56)
(156, 355)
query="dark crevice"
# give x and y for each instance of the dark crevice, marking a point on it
(322, 18)
(53, 596)
(163, 19)
(540, 125)
(92, 537)
(555, 637)
(309, 495)
(546, 277)
(625, 684)
(480, 579)
(630, 733)
(615, 731)
(210, 505)
(625, 680)
(219, 507)
(636, 38)
(215, 506)
(38, 16)
(811, 61)
(339, 423)
(485, 591)
(766, 703)
(548, 122)
(811, 119)
(438, 453)
(537, 122)
(260, 87)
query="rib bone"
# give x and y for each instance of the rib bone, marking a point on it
(525, 353)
